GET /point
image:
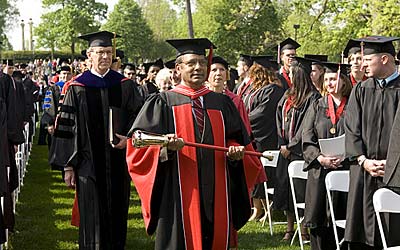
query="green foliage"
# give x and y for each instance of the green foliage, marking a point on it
(8, 17)
(59, 28)
(136, 36)
(27, 55)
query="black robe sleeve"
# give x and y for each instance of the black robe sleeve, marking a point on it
(311, 148)
(262, 117)
(64, 147)
(354, 143)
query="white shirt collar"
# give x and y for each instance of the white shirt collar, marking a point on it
(97, 74)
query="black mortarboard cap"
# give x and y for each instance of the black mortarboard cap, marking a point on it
(23, 65)
(331, 67)
(170, 64)
(317, 59)
(8, 62)
(220, 60)
(129, 66)
(377, 44)
(352, 47)
(247, 59)
(158, 63)
(265, 61)
(66, 68)
(289, 43)
(99, 39)
(304, 63)
(196, 46)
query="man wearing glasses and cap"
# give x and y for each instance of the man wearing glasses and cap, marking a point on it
(369, 119)
(192, 196)
(94, 165)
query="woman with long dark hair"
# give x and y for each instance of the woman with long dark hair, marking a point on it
(290, 114)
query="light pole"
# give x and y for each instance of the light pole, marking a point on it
(296, 27)
(23, 34)
(31, 33)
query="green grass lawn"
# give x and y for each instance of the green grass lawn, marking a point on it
(43, 215)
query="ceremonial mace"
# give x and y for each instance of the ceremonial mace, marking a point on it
(141, 139)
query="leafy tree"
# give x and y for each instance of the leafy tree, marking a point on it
(8, 15)
(161, 18)
(60, 28)
(136, 36)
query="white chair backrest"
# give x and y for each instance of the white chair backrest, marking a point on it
(386, 201)
(338, 180)
(267, 163)
(295, 170)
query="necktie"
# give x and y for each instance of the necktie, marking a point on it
(383, 83)
(199, 114)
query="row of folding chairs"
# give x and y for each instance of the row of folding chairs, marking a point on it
(384, 200)
(21, 159)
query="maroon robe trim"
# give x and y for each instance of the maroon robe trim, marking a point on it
(221, 203)
(142, 167)
(188, 179)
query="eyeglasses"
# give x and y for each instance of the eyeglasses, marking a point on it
(192, 63)
(103, 52)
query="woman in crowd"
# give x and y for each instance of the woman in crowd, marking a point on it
(261, 103)
(163, 80)
(290, 114)
(325, 119)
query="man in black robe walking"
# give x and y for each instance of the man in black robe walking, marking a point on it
(192, 196)
(82, 145)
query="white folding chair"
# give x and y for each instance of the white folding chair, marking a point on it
(272, 164)
(337, 181)
(385, 201)
(295, 170)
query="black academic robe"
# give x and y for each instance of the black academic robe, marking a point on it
(20, 111)
(392, 169)
(148, 88)
(181, 198)
(261, 105)
(31, 96)
(368, 123)
(82, 140)
(4, 155)
(317, 124)
(289, 134)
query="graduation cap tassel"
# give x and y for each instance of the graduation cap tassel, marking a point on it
(141, 139)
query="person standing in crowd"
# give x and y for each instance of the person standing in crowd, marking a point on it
(325, 119)
(354, 57)
(217, 83)
(287, 51)
(219, 72)
(261, 102)
(243, 65)
(148, 86)
(190, 195)
(130, 71)
(292, 109)
(317, 71)
(94, 165)
(163, 80)
(175, 78)
(369, 119)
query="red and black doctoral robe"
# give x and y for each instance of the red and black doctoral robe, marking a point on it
(191, 199)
